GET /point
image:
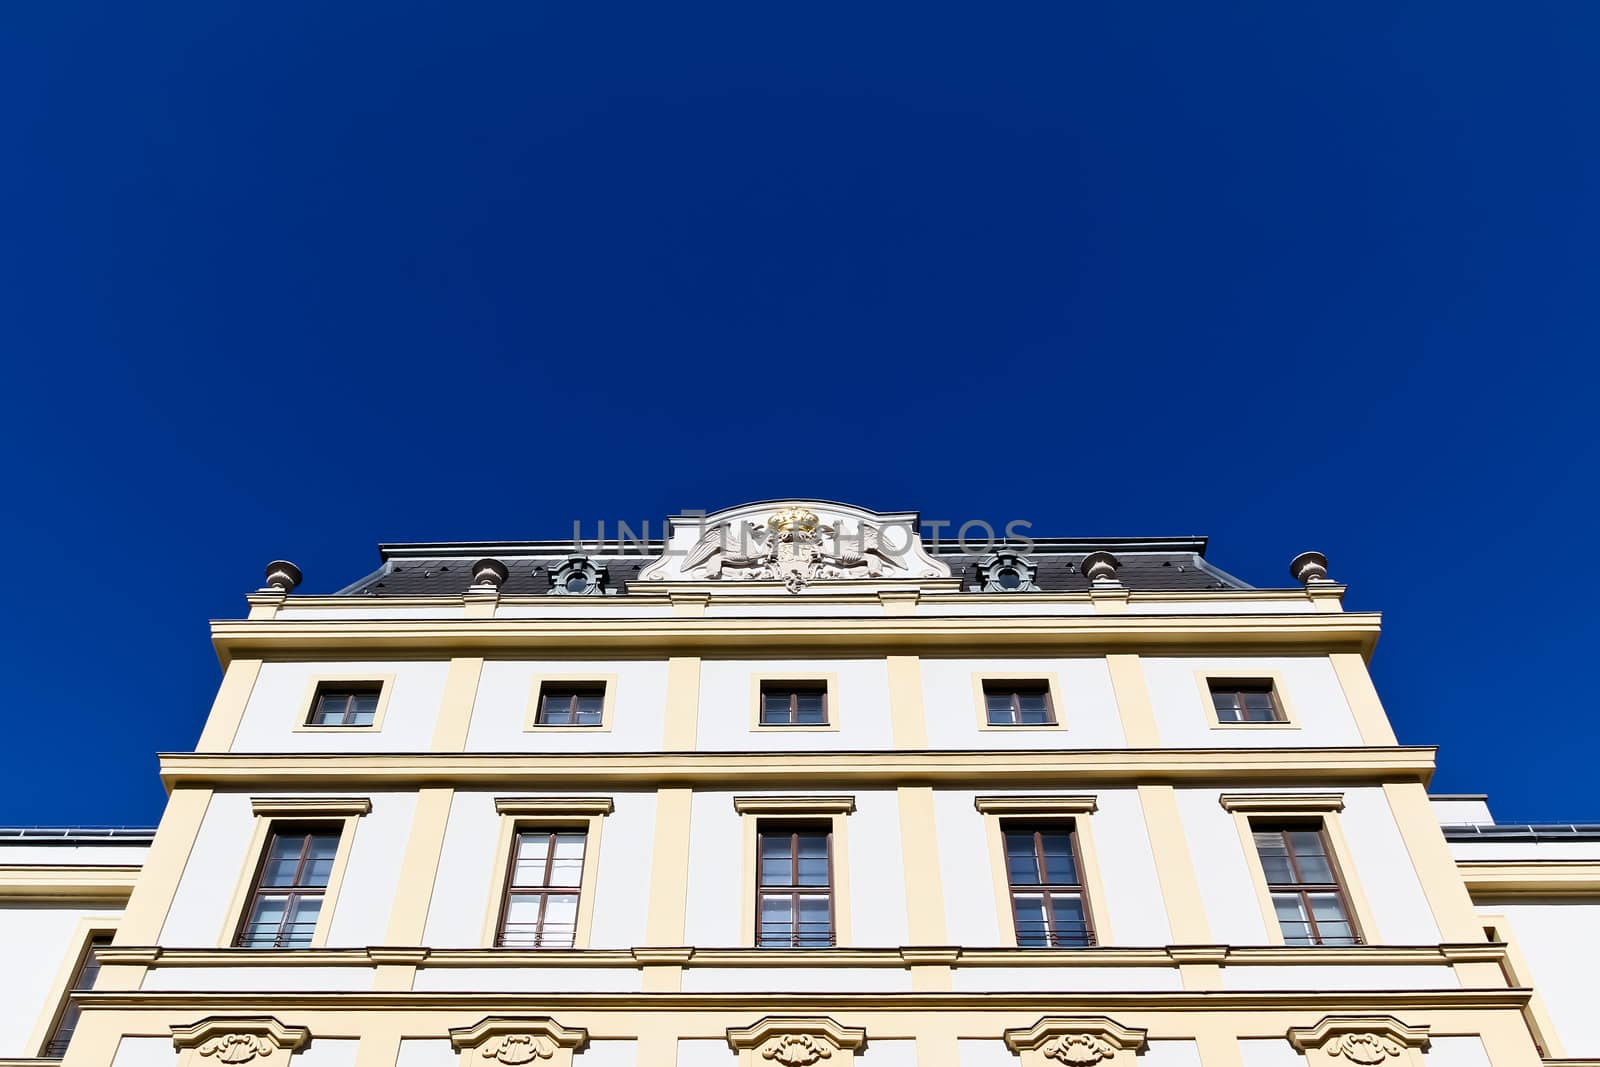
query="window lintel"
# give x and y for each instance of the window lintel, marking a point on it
(807, 805)
(310, 807)
(1282, 803)
(586, 807)
(1036, 805)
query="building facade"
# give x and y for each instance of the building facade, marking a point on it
(796, 786)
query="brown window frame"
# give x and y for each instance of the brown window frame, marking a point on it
(574, 691)
(349, 691)
(1015, 689)
(545, 891)
(1038, 827)
(795, 689)
(65, 1022)
(793, 830)
(1285, 826)
(306, 831)
(1237, 688)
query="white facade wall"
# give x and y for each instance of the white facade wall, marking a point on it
(41, 942)
(1088, 705)
(1559, 941)
(281, 701)
(504, 707)
(1185, 718)
(858, 713)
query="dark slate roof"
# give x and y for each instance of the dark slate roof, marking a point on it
(1148, 564)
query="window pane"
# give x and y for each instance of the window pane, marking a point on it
(774, 708)
(998, 708)
(589, 710)
(816, 928)
(533, 851)
(1292, 918)
(1035, 708)
(1227, 705)
(1258, 707)
(1032, 929)
(283, 861)
(1072, 927)
(560, 920)
(777, 867)
(319, 860)
(777, 920)
(522, 912)
(813, 867)
(567, 868)
(809, 708)
(266, 916)
(555, 709)
(1274, 857)
(1022, 866)
(1332, 923)
(1059, 866)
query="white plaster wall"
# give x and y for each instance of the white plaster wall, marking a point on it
(37, 941)
(281, 698)
(1128, 869)
(1465, 1051)
(797, 980)
(718, 883)
(426, 1052)
(220, 860)
(1221, 868)
(528, 979)
(467, 880)
(971, 913)
(1088, 704)
(1066, 979)
(1461, 810)
(1525, 850)
(860, 705)
(1559, 940)
(327, 1052)
(505, 701)
(1381, 976)
(22, 853)
(144, 1052)
(267, 979)
(1184, 718)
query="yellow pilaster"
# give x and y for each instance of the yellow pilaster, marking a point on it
(1436, 868)
(1362, 696)
(419, 867)
(1133, 700)
(227, 710)
(455, 710)
(669, 868)
(919, 846)
(683, 703)
(907, 722)
(163, 867)
(1174, 867)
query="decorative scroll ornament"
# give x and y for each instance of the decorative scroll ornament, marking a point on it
(795, 547)
(1368, 1050)
(237, 1048)
(517, 1049)
(1363, 1040)
(796, 1050)
(1077, 1050)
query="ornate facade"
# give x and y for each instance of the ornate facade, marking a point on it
(797, 786)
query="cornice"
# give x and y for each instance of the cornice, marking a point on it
(1549, 878)
(1317, 632)
(648, 770)
(67, 882)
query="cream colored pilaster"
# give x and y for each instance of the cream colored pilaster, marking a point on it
(907, 722)
(1371, 720)
(919, 845)
(1505, 1038)
(419, 867)
(378, 1048)
(1436, 868)
(94, 1042)
(163, 867)
(1180, 889)
(227, 710)
(1133, 700)
(683, 703)
(1199, 966)
(669, 868)
(455, 710)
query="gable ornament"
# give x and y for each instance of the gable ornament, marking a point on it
(518, 1040)
(796, 1041)
(1075, 1041)
(1361, 1041)
(238, 1039)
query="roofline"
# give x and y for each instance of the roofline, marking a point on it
(388, 550)
(76, 835)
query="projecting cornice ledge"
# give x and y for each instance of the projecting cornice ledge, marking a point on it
(1033, 768)
(1325, 632)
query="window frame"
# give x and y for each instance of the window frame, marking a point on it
(826, 681)
(53, 1014)
(509, 890)
(606, 682)
(288, 828)
(793, 828)
(1307, 823)
(314, 687)
(1206, 679)
(523, 814)
(272, 811)
(1051, 682)
(1072, 810)
(1035, 825)
(756, 812)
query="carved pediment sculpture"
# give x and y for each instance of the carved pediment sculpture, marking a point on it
(796, 1041)
(517, 1040)
(796, 543)
(1075, 1041)
(258, 1040)
(1361, 1041)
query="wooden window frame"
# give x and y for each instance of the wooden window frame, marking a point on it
(606, 682)
(1023, 808)
(314, 688)
(271, 811)
(1206, 679)
(795, 690)
(519, 815)
(1036, 826)
(510, 890)
(982, 680)
(288, 829)
(757, 812)
(88, 929)
(1285, 825)
(828, 682)
(793, 828)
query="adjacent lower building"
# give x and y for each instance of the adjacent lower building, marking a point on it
(795, 784)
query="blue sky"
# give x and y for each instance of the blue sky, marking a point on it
(289, 280)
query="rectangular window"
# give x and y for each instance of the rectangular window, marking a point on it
(581, 704)
(1017, 703)
(289, 887)
(83, 979)
(1303, 882)
(1243, 700)
(794, 704)
(1045, 875)
(345, 704)
(541, 902)
(794, 897)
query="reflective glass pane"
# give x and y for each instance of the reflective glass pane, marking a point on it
(813, 867)
(777, 867)
(998, 707)
(1022, 866)
(556, 709)
(775, 708)
(816, 927)
(1059, 866)
(283, 861)
(1072, 926)
(1332, 923)
(1258, 707)
(567, 867)
(1292, 918)
(522, 912)
(1035, 708)
(1227, 705)
(809, 709)
(589, 710)
(1033, 931)
(777, 920)
(560, 920)
(533, 851)
(319, 860)
(1274, 857)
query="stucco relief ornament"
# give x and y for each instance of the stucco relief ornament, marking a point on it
(1368, 1050)
(237, 1048)
(1077, 1050)
(795, 1050)
(517, 1049)
(794, 547)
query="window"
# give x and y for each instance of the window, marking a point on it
(541, 899)
(1242, 700)
(346, 704)
(289, 887)
(1303, 882)
(794, 704)
(88, 970)
(794, 894)
(1017, 703)
(581, 704)
(1045, 876)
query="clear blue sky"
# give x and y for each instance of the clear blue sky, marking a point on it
(288, 280)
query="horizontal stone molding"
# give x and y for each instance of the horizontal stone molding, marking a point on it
(1281, 803)
(584, 806)
(1036, 805)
